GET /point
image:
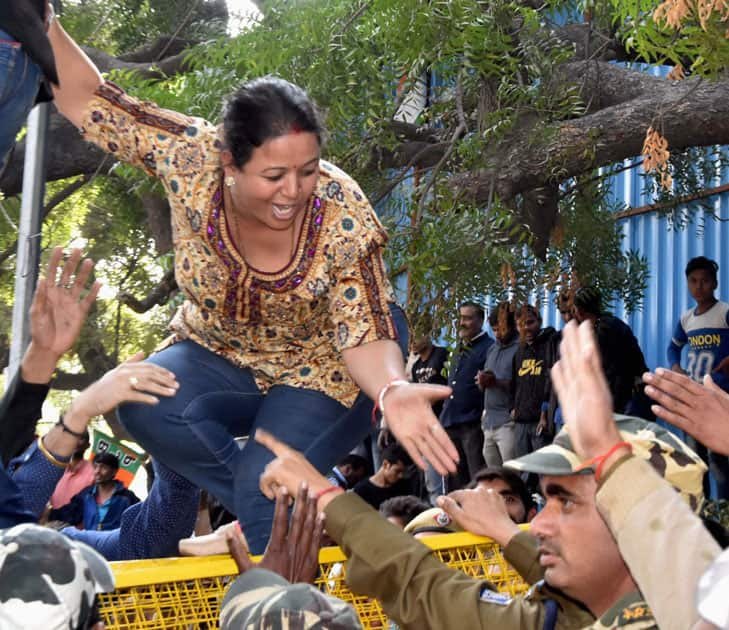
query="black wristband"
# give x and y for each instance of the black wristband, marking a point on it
(78, 435)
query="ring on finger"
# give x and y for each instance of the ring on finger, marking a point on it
(133, 381)
(434, 427)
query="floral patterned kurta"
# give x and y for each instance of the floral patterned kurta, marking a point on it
(287, 327)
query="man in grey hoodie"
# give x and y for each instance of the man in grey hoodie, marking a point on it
(495, 382)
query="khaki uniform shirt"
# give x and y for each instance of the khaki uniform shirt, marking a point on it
(419, 592)
(647, 516)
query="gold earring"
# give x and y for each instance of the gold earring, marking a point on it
(230, 181)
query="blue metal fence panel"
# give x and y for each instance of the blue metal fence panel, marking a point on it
(667, 250)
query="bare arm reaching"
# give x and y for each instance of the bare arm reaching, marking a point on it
(78, 76)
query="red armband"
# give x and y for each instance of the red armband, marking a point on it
(599, 461)
(321, 493)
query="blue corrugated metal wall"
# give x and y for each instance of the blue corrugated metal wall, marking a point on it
(667, 250)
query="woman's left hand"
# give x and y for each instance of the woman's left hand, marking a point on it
(408, 411)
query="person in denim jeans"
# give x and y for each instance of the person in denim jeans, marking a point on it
(20, 79)
(289, 321)
(26, 60)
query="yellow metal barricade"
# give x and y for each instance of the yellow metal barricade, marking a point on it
(186, 592)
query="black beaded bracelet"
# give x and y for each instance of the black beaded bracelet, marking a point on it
(78, 435)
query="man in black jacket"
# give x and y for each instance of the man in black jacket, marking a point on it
(26, 59)
(622, 358)
(530, 383)
(429, 366)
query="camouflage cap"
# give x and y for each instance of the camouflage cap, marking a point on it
(48, 580)
(434, 521)
(260, 599)
(672, 459)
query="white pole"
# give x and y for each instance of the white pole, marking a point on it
(29, 228)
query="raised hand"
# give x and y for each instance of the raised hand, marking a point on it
(584, 395)
(293, 549)
(57, 313)
(58, 310)
(700, 410)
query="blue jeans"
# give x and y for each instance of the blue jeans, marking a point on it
(435, 484)
(19, 82)
(193, 432)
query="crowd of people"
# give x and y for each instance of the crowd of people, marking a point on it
(289, 334)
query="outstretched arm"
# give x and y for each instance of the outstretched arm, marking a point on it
(407, 407)
(700, 410)
(57, 313)
(413, 586)
(38, 470)
(78, 75)
(131, 381)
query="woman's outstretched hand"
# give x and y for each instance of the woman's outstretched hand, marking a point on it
(409, 417)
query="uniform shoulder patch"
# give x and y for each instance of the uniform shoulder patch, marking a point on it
(494, 597)
(638, 611)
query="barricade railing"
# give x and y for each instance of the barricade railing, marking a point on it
(185, 593)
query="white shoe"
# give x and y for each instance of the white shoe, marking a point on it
(212, 544)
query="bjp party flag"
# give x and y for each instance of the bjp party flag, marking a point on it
(129, 460)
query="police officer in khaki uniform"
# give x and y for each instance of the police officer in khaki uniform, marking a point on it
(586, 583)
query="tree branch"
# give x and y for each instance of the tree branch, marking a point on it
(167, 67)
(457, 133)
(163, 45)
(68, 155)
(59, 197)
(66, 381)
(158, 296)
(693, 113)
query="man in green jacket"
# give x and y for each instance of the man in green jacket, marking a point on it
(586, 585)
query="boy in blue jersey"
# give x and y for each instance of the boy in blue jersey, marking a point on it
(705, 329)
